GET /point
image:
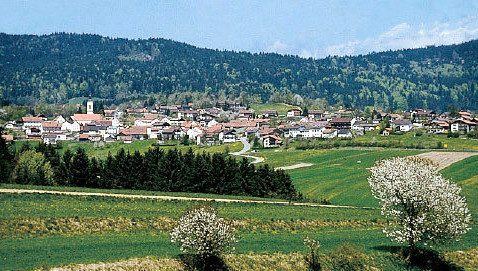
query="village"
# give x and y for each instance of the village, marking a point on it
(211, 126)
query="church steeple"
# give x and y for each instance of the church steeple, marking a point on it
(89, 106)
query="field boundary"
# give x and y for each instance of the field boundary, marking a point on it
(180, 198)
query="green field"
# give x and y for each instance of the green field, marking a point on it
(281, 108)
(94, 150)
(338, 176)
(47, 232)
(426, 140)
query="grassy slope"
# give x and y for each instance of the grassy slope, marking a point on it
(281, 108)
(339, 176)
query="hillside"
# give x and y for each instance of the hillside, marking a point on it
(54, 68)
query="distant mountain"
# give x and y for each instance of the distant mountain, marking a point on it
(54, 68)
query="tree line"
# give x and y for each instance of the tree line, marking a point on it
(156, 170)
(55, 68)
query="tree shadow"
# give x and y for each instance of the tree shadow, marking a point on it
(428, 259)
(192, 262)
(422, 258)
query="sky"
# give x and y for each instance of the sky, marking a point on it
(299, 27)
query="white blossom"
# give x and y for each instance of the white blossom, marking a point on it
(423, 207)
(202, 232)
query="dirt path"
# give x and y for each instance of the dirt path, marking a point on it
(157, 197)
(444, 159)
(299, 165)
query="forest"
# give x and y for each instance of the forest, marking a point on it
(58, 67)
(155, 170)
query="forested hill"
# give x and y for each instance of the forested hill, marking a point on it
(54, 68)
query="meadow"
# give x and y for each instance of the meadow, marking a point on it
(101, 151)
(41, 231)
(336, 176)
(281, 108)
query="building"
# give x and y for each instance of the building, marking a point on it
(401, 125)
(271, 141)
(342, 123)
(315, 114)
(294, 112)
(89, 107)
(83, 119)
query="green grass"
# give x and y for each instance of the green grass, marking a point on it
(61, 250)
(281, 108)
(339, 176)
(425, 140)
(140, 145)
(336, 175)
(55, 206)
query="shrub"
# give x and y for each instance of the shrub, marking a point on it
(348, 258)
(453, 135)
(201, 232)
(312, 258)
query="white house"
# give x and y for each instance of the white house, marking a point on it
(402, 125)
(32, 122)
(271, 141)
(293, 112)
(71, 126)
(193, 133)
(228, 136)
(329, 133)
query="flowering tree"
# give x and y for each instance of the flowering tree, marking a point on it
(202, 232)
(423, 207)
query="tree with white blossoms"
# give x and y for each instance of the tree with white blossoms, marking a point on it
(202, 232)
(423, 206)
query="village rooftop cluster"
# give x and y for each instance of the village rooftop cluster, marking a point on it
(211, 126)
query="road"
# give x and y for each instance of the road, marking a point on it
(246, 147)
(158, 197)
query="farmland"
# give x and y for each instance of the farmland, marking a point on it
(56, 230)
(412, 140)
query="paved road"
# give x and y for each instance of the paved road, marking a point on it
(246, 147)
(157, 197)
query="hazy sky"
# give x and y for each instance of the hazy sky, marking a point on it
(306, 28)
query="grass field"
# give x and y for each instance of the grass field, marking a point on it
(281, 108)
(49, 231)
(141, 145)
(338, 176)
(426, 140)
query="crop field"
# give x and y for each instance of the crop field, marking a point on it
(42, 231)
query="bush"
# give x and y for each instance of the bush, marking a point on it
(453, 135)
(202, 233)
(312, 258)
(348, 258)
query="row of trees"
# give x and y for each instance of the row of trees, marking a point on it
(156, 170)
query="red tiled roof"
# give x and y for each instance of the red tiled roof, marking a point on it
(135, 130)
(87, 117)
(32, 119)
(50, 124)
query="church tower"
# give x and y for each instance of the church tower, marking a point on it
(89, 107)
